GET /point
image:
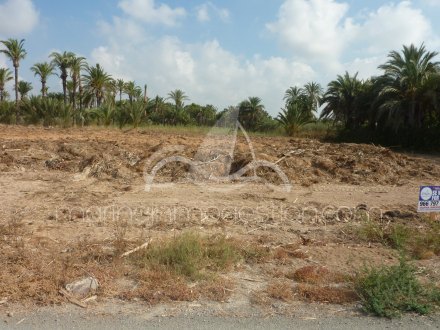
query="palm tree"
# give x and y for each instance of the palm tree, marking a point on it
(313, 92)
(97, 80)
(403, 84)
(24, 88)
(293, 117)
(5, 76)
(77, 63)
(340, 99)
(15, 52)
(120, 85)
(63, 62)
(292, 94)
(178, 96)
(44, 70)
(250, 112)
(133, 91)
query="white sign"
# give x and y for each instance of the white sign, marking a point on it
(429, 199)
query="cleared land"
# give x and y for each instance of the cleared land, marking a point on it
(73, 201)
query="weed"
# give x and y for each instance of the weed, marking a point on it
(327, 294)
(254, 253)
(281, 290)
(218, 289)
(421, 242)
(317, 275)
(398, 236)
(189, 255)
(371, 231)
(388, 291)
(160, 285)
(426, 243)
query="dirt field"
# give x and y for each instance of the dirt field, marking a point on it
(74, 200)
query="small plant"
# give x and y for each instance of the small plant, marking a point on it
(189, 255)
(280, 290)
(372, 231)
(326, 294)
(388, 291)
(317, 275)
(398, 236)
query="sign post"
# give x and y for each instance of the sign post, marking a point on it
(429, 199)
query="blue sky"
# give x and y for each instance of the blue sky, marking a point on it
(220, 52)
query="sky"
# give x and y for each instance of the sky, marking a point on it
(220, 52)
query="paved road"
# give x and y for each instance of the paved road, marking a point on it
(48, 319)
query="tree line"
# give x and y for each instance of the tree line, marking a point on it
(401, 105)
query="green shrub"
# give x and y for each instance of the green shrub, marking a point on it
(388, 291)
(189, 255)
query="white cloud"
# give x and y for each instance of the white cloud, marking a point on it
(148, 12)
(434, 3)
(203, 12)
(17, 17)
(394, 25)
(315, 29)
(321, 31)
(205, 71)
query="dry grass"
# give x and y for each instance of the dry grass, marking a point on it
(281, 290)
(326, 294)
(418, 238)
(218, 289)
(159, 285)
(317, 275)
(283, 255)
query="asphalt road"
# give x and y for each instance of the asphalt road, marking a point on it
(50, 319)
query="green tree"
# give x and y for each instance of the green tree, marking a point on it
(178, 97)
(63, 62)
(313, 93)
(24, 88)
(293, 94)
(293, 117)
(43, 70)
(250, 112)
(15, 52)
(340, 99)
(405, 85)
(120, 85)
(97, 81)
(5, 76)
(134, 92)
(77, 63)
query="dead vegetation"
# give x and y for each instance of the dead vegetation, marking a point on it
(270, 259)
(304, 161)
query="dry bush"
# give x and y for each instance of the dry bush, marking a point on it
(317, 275)
(260, 298)
(253, 253)
(281, 290)
(160, 285)
(281, 256)
(326, 294)
(218, 289)
(288, 251)
(38, 268)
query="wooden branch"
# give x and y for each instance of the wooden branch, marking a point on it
(72, 299)
(143, 246)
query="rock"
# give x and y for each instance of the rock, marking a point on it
(83, 287)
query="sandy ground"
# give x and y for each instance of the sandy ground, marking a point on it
(78, 185)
